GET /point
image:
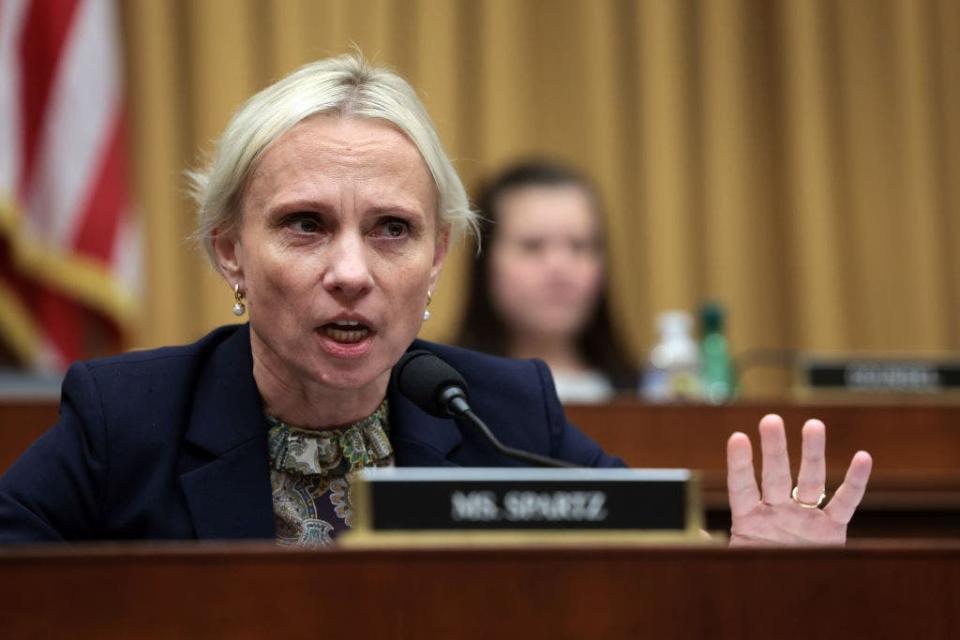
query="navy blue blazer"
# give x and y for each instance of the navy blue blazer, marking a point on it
(171, 443)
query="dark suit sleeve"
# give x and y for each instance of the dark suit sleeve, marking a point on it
(56, 489)
(567, 441)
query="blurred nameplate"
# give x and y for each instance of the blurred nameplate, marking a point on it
(450, 500)
(904, 375)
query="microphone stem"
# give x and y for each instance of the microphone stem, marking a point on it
(510, 452)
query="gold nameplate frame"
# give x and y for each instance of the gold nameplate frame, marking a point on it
(430, 506)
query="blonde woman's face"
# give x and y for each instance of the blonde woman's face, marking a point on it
(337, 249)
(546, 262)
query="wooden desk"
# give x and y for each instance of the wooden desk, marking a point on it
(915, 488)
(864, 591)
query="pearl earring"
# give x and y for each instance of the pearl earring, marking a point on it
(238, 306)
(426, 312)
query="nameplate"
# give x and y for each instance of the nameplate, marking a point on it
(525, 499)
(883, 375)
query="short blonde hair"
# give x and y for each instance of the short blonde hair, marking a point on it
(347, 86)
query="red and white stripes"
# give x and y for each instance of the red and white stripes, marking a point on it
(65, 216)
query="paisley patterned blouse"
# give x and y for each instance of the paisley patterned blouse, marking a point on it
(311, 473)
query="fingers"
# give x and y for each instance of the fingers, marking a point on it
(776, 480)
(741, 482)
(813, 467)
(849, 494)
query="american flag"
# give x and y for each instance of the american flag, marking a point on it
(69, 244)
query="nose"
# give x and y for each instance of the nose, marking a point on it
(347, 274)
(557, 259)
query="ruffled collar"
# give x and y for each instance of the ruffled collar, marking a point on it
(330, 452)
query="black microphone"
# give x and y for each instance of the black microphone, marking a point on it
(440, 390)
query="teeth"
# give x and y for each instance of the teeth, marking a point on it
(348, 323)
(346, 335)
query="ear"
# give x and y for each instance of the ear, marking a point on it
(439, 254)
(226, 246)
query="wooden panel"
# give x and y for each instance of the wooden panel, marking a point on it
(890, 591)
(900, 437)
(22, 422)
(916, 449)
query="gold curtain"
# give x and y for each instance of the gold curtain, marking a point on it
(797, 161)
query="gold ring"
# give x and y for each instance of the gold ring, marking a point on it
(807, 505)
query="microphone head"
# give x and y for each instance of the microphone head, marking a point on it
(422, 378)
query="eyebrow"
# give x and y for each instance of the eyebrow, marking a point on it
(292, 206)
(396, 209)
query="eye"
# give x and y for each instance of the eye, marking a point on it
(394, 228)
(302, 223)
(584, 247)
(531, 246)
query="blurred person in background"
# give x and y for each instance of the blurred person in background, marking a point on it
(539, 285)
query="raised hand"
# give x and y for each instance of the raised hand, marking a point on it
(778, 513)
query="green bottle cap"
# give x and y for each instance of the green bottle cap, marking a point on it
(711, 317)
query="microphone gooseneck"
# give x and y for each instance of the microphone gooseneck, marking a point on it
(439, 389)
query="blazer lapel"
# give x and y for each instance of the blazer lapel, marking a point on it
(227, 488)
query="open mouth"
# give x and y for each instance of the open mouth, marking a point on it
(346, 331)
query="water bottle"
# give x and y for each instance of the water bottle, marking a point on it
(717, 377)
(673, 370)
